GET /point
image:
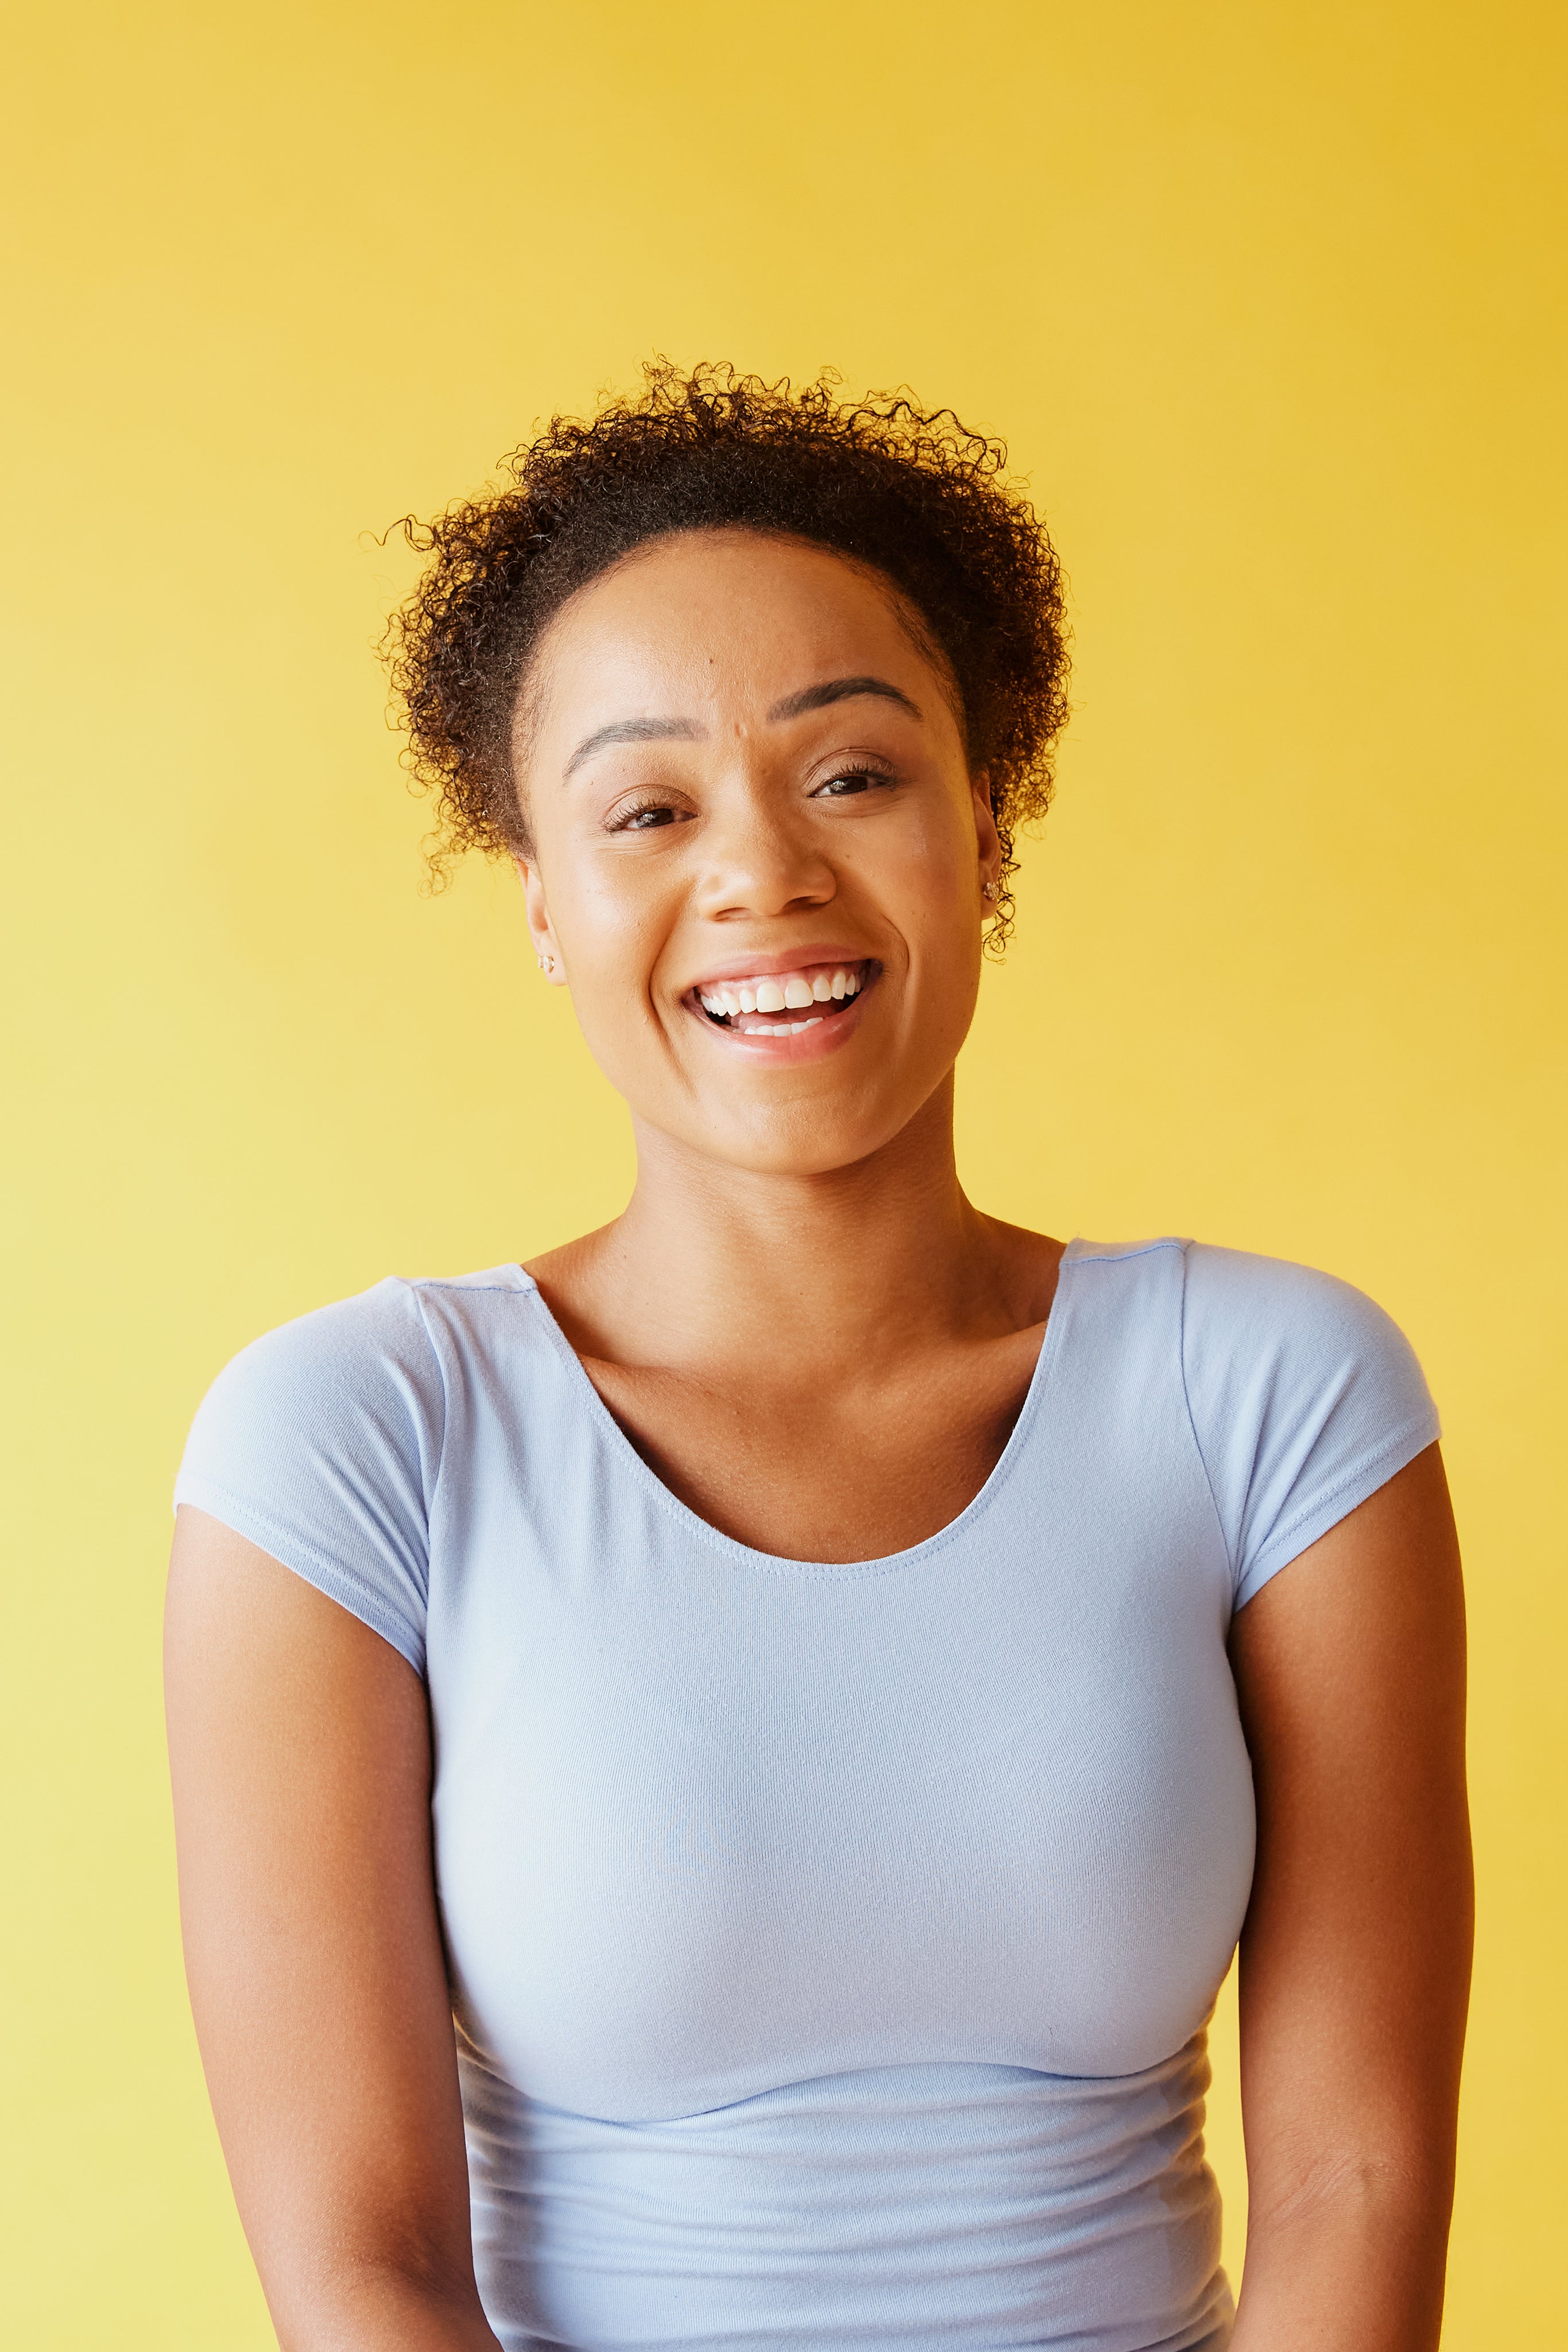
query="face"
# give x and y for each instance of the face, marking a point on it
(759, 852)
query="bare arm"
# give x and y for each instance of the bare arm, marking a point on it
(1356, 1958)
(300, 1753)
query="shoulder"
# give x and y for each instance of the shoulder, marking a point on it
(1304, 1396)
(368, 1354)
(1235, 1293)
(382, 1345)
(322, 1442)
(1271, 1296)
(1261, 1336)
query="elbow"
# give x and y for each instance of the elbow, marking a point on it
(369, 2303)
(1396, 2191)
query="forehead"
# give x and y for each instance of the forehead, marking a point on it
(723, 618)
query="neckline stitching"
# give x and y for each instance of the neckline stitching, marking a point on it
(883, 1564)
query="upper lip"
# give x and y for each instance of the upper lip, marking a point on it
(769, 967)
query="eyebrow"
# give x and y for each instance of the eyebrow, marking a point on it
(686, 730)
(840, 689)
(635, 731)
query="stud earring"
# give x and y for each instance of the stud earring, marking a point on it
(547, 963)
(987, 889)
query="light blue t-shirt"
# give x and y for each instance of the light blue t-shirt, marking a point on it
(831, 1947)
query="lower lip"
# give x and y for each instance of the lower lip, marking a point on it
(814, 1044)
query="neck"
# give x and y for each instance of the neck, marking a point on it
(718, 1267)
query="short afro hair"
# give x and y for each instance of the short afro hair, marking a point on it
(908, 491)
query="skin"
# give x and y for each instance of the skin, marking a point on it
(820, 1345)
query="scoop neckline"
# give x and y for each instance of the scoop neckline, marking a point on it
(747, 1555)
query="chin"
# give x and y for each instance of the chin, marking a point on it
(809, 1142)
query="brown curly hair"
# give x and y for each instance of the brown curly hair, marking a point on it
(908, 491)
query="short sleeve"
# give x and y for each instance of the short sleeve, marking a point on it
(321, 1442)
(1305, 1398)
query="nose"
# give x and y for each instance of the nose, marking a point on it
(760, 858)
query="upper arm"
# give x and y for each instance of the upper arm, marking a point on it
(300, 1757)
(1350, 1668)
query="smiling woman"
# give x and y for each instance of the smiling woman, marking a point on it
(720, 1771)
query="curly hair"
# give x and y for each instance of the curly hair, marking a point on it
(910, 492)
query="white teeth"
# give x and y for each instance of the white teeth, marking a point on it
(759, 1028)
(793, 993)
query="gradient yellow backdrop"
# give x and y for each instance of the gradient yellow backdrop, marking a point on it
(1267, 300)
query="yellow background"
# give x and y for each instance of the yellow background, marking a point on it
(1265, 299)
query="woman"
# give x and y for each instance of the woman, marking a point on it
(790, 1674)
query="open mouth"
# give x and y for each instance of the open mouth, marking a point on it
(784, 1003)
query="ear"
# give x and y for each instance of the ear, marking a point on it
(540, 931)
(988, 841)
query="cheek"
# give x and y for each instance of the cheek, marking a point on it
(612, 923)
(927, 871)
(601, 906)
(611, 940)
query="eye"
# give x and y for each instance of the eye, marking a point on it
(850, 780)
(644, 817)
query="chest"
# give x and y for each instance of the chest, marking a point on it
(708, 1821)
(823, 1467)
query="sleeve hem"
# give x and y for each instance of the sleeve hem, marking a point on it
(328, 1577)
(1363, 1479)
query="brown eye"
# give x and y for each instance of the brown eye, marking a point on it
(645, 816)
(848, 780)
